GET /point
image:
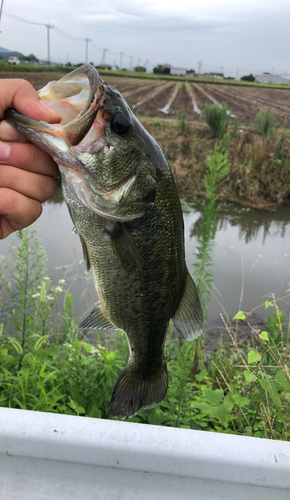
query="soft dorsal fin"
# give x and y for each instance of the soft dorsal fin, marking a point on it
(124, 247)
(96, 319)
(188, 318)
(86, 254)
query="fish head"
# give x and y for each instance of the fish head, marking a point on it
(108, 161)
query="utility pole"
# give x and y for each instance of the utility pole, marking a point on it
(273, 70)
(131, 63)
(199, 67)
(48, 26)
(1, 8)
(121, 59)
(146, 64)
(87, 40)
(103, 60)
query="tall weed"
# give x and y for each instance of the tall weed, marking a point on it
(265, 124)
(218, 118)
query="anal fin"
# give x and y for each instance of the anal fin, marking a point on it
(96, 319)
(188, 318)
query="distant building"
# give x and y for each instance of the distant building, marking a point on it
(213, 75)
(178, 71)
(272, 79)
(104, 66)
(13, 60)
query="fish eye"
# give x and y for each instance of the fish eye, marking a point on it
(120, 124)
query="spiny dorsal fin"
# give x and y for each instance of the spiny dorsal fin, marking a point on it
(124, 248)
(188, 318)
(96, 319)
(86, 254)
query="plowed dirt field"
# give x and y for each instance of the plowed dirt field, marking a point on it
(166, 99)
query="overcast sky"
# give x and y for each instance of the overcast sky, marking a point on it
(252, 36)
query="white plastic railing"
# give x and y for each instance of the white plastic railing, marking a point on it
(60, 457)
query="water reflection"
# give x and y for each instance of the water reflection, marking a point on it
(261, 238)
(248, 221)
(249, 246)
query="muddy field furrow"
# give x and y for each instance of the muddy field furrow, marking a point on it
(156, 101)
(138, 93)
(236, 107)
(279, 101)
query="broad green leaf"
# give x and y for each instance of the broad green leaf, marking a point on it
(95, 412)
(240, 315)
(264, 336)
(270, 387)
(16, 345)
(267, 304)
(77, 408)
(253, 356)
(249, 377)
(221, 413)
(200, 376)
(240, 400)
(87, 347)
(155, 419)
(213, 397)
(282, 380)
(1, 329)
(204, 407)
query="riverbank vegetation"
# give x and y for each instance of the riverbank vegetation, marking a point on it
(46, 364)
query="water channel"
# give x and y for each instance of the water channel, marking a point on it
(250, 247)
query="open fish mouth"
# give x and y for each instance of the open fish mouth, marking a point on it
(101, 164)
(78, 98)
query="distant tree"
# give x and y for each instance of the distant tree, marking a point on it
(190, 71)
(32, 58)
(266, 73)
(248, 78)
(79, 64)
(68, 64)
(161, 70)
(140, 69)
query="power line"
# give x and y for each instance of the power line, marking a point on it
(61, 32)
(21, 19)
(68, 36)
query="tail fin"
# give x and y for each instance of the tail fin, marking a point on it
(133, 394)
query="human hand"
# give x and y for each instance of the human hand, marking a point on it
(26, 172)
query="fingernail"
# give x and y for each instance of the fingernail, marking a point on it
(5, 150)
(47, 107)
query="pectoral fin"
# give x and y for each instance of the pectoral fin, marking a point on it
(86, 254)
(124, 247)
(188, 318)
(96, 319)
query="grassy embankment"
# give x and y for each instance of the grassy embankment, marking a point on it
(259, 157)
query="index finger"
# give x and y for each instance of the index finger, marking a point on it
(19, 94)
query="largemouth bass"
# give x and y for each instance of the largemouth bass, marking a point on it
(123, 202)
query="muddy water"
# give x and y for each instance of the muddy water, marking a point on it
(250, 247)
